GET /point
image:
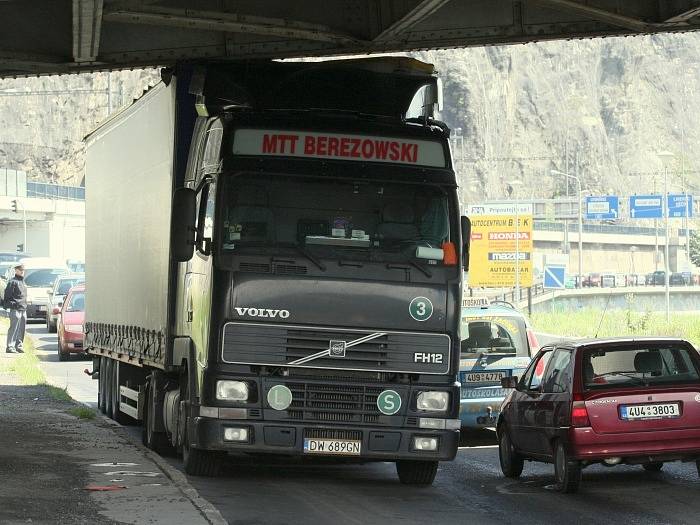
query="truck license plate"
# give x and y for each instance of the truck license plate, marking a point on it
(483, 377)
(333, 447)
(654, 411)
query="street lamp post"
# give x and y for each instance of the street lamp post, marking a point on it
(666, 157)
(580, 223)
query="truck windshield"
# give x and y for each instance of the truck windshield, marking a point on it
(336, 219)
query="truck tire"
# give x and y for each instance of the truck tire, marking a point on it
(206, 463)
(116, 414)
(101, 384)
(156, 441)
(108, 386)
(412, 472)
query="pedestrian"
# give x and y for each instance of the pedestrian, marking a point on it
(15, 301)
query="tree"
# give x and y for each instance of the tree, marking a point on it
(695, 248)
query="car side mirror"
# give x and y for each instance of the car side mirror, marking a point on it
(509, 382)
(182, 226)
(466, 225)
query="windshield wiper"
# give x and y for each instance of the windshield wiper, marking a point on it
(306, 253)
(624, 374)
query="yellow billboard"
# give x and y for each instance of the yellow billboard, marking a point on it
(497, 243)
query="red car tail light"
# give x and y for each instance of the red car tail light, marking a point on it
(579, 415)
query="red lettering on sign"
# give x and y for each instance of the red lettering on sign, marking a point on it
(355, 147)
(309, 145)
(406, 153)
(293, 143)
(394, 151)
(381, 146)
(367, 149)
(333, 146)
(321, 144)
(269, 143)
(344, 147)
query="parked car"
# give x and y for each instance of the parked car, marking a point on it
(656, 278)
(608, 280)
(39, 275)
(679, 279)
(71, 335)
(615, 401)
(57, 294)
(497, 342)
(591, 280)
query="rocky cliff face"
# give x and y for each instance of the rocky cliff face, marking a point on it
(43, 120)
(601, 108)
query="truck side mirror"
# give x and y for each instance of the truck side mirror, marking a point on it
(466, 239)
(182, 226)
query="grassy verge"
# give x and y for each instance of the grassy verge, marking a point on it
(82, 412)
(26, 367)
(584, 323)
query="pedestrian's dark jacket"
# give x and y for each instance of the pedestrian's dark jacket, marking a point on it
(15, 294)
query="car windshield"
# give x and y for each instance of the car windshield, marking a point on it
(493, 335)
(64, 285)
(76, 303)
(331, 218)
(630, 366)
(41, 277)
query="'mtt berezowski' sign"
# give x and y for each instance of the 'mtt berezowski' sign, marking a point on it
(338, 146)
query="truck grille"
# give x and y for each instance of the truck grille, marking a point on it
(328, 403)
(335, 348)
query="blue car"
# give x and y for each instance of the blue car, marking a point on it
(497, 342)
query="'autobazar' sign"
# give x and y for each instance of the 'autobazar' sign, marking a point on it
(500, 243)
(338, 146)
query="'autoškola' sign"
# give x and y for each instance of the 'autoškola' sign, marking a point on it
(338, 146)
(493, 251)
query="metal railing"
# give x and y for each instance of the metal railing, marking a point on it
(43, 190)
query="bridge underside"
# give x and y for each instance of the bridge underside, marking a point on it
(63, 36)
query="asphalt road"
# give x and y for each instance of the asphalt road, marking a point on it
(469, 490)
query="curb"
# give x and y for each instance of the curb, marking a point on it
(210, 513)
(179, 480)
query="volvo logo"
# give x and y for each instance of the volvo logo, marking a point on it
(262, 312)
(337, 348)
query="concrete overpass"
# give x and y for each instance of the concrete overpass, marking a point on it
(63, 36)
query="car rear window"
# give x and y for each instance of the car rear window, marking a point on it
(65, 285)
(496, 335)
(76, 302)
(639, 365)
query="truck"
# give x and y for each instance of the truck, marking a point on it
(275, 257)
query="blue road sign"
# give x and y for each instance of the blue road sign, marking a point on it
(554, 277)
(646, 207)
(600, 208)
(680, 204)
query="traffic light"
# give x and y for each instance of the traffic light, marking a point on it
(14, 205)
(20, 248)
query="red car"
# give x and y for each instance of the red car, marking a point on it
(70, 324)
(614, 401)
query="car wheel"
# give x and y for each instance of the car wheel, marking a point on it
(421, 473)
(62, 356)
(512, 463)
(697, 466)
(566, 470)
(653, 467)
(53, 328)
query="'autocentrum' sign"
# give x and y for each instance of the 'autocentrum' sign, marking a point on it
(494, 248)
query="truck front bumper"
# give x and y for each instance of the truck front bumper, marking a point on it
(377, 443)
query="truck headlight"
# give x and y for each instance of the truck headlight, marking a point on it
(232, 390)
(432, 401)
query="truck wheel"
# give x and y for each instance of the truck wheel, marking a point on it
(108, 386)
(156, 441)
(101, 390)
(116, 414)
(653, 467)
(511, 462)
(206, 463)
(412, 472)
(566, 470)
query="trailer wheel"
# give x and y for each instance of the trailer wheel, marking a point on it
(412, 472)
(115, 413)
(156, 441)
(101, 384)
(108, 386)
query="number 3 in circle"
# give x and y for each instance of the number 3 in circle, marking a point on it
(421, 308)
